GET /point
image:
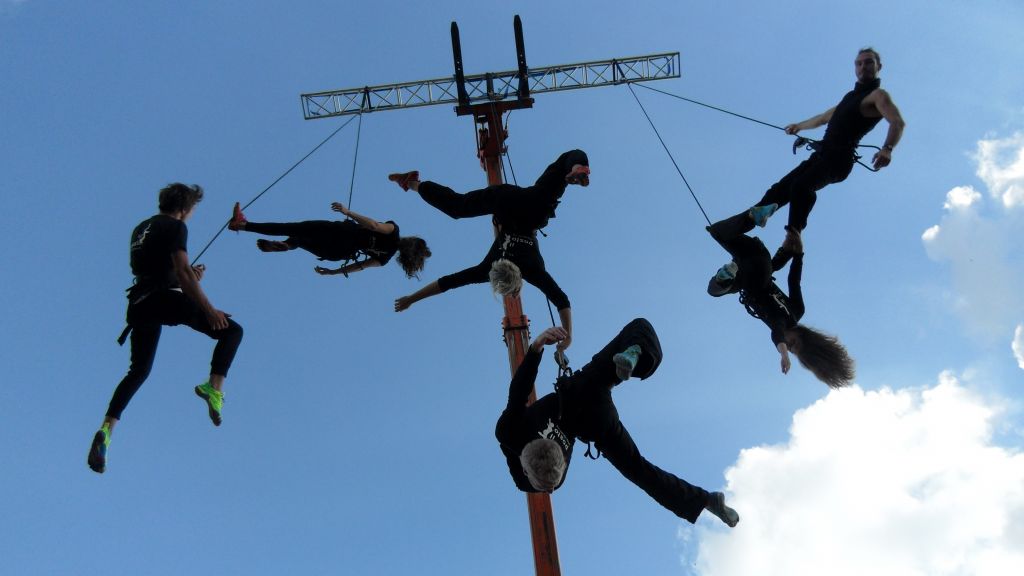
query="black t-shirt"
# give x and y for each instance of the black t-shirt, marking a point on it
(377, 246)
(154, 242)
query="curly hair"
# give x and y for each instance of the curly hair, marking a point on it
(506, 278)
(412, 255)
(178, 197)
(824, 355)
(543, 464)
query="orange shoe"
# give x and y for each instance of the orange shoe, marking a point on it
(403, 179)
(237, 219)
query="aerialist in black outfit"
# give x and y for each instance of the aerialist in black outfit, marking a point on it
(517, 215)
(362, 238)
(750, 274)
(537, 440)
(849, 121)
(166, 292)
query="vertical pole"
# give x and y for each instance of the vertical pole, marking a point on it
(516, 329)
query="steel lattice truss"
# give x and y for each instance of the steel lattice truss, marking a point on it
(490, 87)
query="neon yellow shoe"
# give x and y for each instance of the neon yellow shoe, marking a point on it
(214, 400)
(98, 450)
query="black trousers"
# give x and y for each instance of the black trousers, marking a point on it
(588, 411)
(520, 249)
(800, 187)
(470, 204)
(325, 239)
(168, 308)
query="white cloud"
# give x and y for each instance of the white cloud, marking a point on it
(881, 483)
(1001, 167)
(1018, 345)
(961, 197)
(984, 249)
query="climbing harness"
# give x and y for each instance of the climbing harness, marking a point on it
(815, 145)
(561, 382)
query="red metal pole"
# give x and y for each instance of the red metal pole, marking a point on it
(516, 328)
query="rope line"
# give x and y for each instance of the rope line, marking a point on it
(857, 157)
(667, 151)
(355, 157)
(516, 183)
(279, 178)
(713, 107)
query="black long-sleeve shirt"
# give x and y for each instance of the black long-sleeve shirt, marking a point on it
(519, 425)
(774, 307)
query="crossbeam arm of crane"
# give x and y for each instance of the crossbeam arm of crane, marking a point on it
(490, 87)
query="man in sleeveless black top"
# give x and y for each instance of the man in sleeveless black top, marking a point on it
(849, 121)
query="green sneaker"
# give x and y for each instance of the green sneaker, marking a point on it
(98, 450)
(625, 362)
(214, 400)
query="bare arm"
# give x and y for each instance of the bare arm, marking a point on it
(565, 315)
(883, 102)
(346, 270)
(403, 303)
(812, 122)
(364, 221)
(784, 352)
(188, 279)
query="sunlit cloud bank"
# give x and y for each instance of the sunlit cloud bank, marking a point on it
(1001, 167)
(888, 482)
(981, 240)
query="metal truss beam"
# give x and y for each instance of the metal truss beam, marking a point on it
(490, 87)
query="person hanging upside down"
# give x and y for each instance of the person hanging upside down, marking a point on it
(362, 238)
(517, 214)
(848, 121)
(166, 292)
(537, 439)
(750, 274)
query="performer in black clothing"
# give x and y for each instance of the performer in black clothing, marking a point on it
(849, 121)
(537, 440)
(517, 214)
(363, 239)
(166, 292)
(750, 274)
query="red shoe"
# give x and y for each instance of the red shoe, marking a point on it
(579, 175)
(237, 219)
(404, 179)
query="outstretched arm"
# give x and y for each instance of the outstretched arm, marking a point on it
(883, 102)
(432, 289)
(364, 221)
(812, 122)
(349, 269)
(565, 315)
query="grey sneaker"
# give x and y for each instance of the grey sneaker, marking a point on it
(716, 505)
(625, 362)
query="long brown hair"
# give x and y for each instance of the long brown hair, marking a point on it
(824, 355)
(412, 255)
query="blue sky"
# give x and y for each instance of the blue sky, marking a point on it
(360, 441)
